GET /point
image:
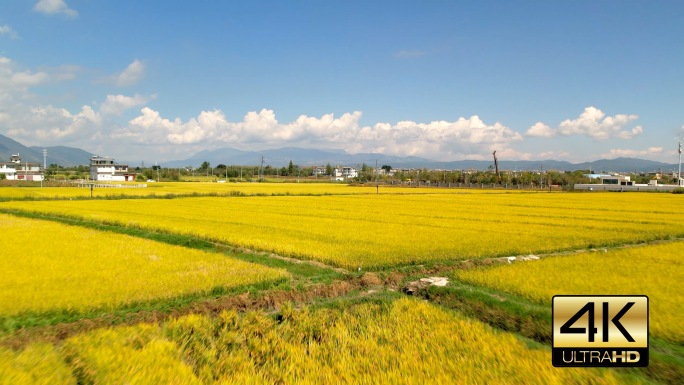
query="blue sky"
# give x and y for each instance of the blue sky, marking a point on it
(444, 80)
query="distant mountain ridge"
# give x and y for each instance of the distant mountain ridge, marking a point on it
(61, 155)
(309, 157)
(69, 156)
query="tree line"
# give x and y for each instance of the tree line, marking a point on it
(365, 173)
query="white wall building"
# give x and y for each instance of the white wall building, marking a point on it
(104, 169)
(15, 169)
(620, 180)
(342, 173)
(319, 170)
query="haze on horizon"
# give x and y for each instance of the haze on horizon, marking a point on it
(159, 80)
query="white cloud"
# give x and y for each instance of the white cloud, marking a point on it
(48, 123)
(541, 130)
(52, 7)
(7, 30)
(631, 133)
(117, 104)
(593, 123)
(28, 79)
(439, 139)
(15, 84)
(131, 75)
(628, 153)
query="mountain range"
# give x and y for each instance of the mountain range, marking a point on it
(69, 156)
(309, 157)
(61, 155)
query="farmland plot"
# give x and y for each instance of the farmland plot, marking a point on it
(372, 231)
(46, 266)
(163, 189)
(404, 341)
(655, 270)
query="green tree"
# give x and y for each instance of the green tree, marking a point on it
(205, 165)
(290, 169)
(328, 169)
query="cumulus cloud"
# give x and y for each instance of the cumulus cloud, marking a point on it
(628, 153)
(131, 75)
(592, 123)
(117, 104)
(50, 123)
(541, 130)
(463, 137)
(53, 7)
(8, 31)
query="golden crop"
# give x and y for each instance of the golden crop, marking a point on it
(38, 364)
(655, 270)
(384, 230)
(163, 189)
(404, 342)
(48, 266)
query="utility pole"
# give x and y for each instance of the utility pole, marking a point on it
(261, 168)
(45, 163)
(680, 181)
(377, 183)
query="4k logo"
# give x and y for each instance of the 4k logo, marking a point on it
(608, 330)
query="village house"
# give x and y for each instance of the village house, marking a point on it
(104, 169)
(15, 169)
(319, 170)
(342, 173)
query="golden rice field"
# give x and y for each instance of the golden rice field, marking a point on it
(403, 342)
(47, 266)
(371, 231)
(656, 271)
(162, 189)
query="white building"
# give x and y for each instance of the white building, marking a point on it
(104, 169)
(349, 172)
(342, 173)
(620, 180)
(319, 170)
(337, 174)
(15, 169)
